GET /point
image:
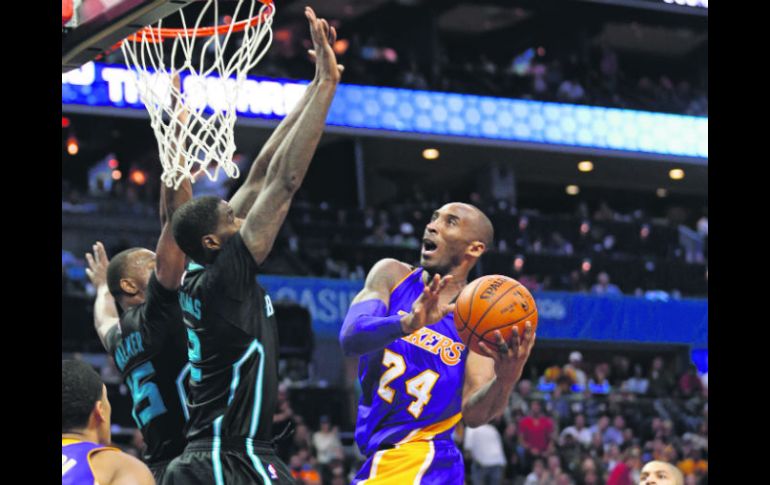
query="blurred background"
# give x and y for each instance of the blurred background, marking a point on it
(579, 126)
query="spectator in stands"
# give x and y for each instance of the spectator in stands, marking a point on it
(379, 237)
(303, 470)
(579, 431)
(518, 402)
(536, 432)
(574, 371)
(598, 383)
(621, 472)
(603, 287)
(690, 384)
(539, 474)
(637, 383)
(614, 432)
(327, 444)
(661, 379)
(485, 446)
(693, 462)
(553, 464)
(600, 428)
(700, 439)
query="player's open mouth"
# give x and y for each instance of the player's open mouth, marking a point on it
(428, 247)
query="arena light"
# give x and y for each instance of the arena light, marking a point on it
(65, 122)
(72, 145)
(585, 166)
(676, 174)
(430, 154)
(138, 177)
(661, 193)
(572, 190)
(113, 163)
(518, 263)
(341, 46)
(116, 175)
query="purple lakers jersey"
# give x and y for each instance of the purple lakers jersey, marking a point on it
(412, 389)
(75, 461)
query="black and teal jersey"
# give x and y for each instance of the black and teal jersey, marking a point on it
(150, 350)
(232, 347)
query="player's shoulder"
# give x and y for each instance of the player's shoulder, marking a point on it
(389, 270)
(113, 466)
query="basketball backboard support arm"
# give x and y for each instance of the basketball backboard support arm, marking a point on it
(108, 25)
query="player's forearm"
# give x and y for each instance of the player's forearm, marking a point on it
(105, 313)
(173, 199)
(368, 328)
(293, 156)
(244, 198)
(488, 402)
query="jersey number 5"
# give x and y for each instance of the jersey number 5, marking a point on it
(418, 387)
(145, 395)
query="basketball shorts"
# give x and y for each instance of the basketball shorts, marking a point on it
(227, 461)
(158, 469)
(425, 462)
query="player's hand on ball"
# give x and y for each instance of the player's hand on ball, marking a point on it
(510, 357)
(97, 265)
(427, 310)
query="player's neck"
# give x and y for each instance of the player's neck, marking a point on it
(82, 435)
(459, 280)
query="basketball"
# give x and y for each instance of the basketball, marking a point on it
(490, 303)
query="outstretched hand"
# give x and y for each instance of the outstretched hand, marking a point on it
(322, 53)
(97, 265)
(510, 357)
(427, 310)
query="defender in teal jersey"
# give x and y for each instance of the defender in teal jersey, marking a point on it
(418, 379)
(230, 321)
(148, 339)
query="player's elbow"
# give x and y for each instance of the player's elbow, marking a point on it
(347, 340)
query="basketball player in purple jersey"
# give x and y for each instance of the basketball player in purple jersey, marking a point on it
(85, 433)
(417, 377)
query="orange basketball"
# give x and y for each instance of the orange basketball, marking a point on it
(490, 303)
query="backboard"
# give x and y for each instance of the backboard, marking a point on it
(95, 26)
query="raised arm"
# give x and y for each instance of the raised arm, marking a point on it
(368, 327)
(292, 158)
(490, 378)
(170, 262)
(245, 196)
(106, 319)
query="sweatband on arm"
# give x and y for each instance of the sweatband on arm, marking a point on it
(367, 327)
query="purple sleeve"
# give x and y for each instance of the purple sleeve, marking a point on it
(367, 328)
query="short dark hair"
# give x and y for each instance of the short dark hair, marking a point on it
(116, 270)
(193, 220)
(81, 388)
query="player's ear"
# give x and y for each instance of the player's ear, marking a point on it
(476, 249)
(100, 412)
(128, 287)
(210, 242)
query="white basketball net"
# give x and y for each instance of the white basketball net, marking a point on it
(209, 92)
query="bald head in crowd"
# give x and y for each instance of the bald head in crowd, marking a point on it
(660, 473)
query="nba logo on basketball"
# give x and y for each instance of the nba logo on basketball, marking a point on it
(273, 473)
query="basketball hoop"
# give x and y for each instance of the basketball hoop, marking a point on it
(217, 69)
